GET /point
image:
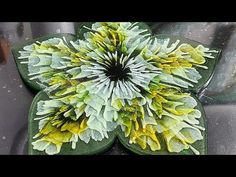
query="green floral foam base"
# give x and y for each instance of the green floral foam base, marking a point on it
(116, 80)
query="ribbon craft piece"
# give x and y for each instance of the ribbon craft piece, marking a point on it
(116, 80)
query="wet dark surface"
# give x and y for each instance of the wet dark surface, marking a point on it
(219, 98)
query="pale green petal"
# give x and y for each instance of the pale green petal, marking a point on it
(40, 145)
(95, 101)
(52, 149)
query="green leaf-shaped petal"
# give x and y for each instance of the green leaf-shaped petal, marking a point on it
(82, 148)
(86, 26)
(196, 78)
(200, 145)
(23, 68)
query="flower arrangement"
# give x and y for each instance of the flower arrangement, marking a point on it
(116, 80)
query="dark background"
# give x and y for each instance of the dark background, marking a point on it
(219, 98)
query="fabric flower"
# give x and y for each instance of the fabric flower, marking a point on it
(116, 78)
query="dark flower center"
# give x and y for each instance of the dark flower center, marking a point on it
(116, 71)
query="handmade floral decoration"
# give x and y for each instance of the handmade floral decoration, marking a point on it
(116, 80)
